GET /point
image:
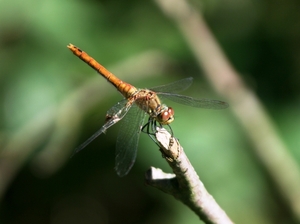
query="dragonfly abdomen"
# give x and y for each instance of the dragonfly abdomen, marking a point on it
(124, 88)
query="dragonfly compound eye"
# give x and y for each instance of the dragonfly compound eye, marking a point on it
(167, 116)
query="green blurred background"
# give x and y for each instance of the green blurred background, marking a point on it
(41, 81)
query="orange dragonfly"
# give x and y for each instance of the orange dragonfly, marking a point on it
(137, 104)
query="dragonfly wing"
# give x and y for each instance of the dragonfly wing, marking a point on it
(174, 87)
(127, 141)
(193, 102)
(114, 115)
(117, 107)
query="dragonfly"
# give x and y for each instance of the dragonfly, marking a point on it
(133, 109)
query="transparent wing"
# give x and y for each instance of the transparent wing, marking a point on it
(174, 87)
(114, 115)
(193, 102)
(116, 108)
(127, 141)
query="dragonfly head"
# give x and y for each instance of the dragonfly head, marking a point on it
(166, 116)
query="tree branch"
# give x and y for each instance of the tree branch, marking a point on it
(267, 145)
(184, 184)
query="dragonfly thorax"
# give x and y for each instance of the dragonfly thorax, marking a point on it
(165, 116)
(149, 102)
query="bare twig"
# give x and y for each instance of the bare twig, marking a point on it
(185, 185)
(268, 146)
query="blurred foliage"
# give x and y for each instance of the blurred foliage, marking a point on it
(261, 38)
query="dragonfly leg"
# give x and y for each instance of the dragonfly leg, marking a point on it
(170, 129)
(145, 127)
(150, 128)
